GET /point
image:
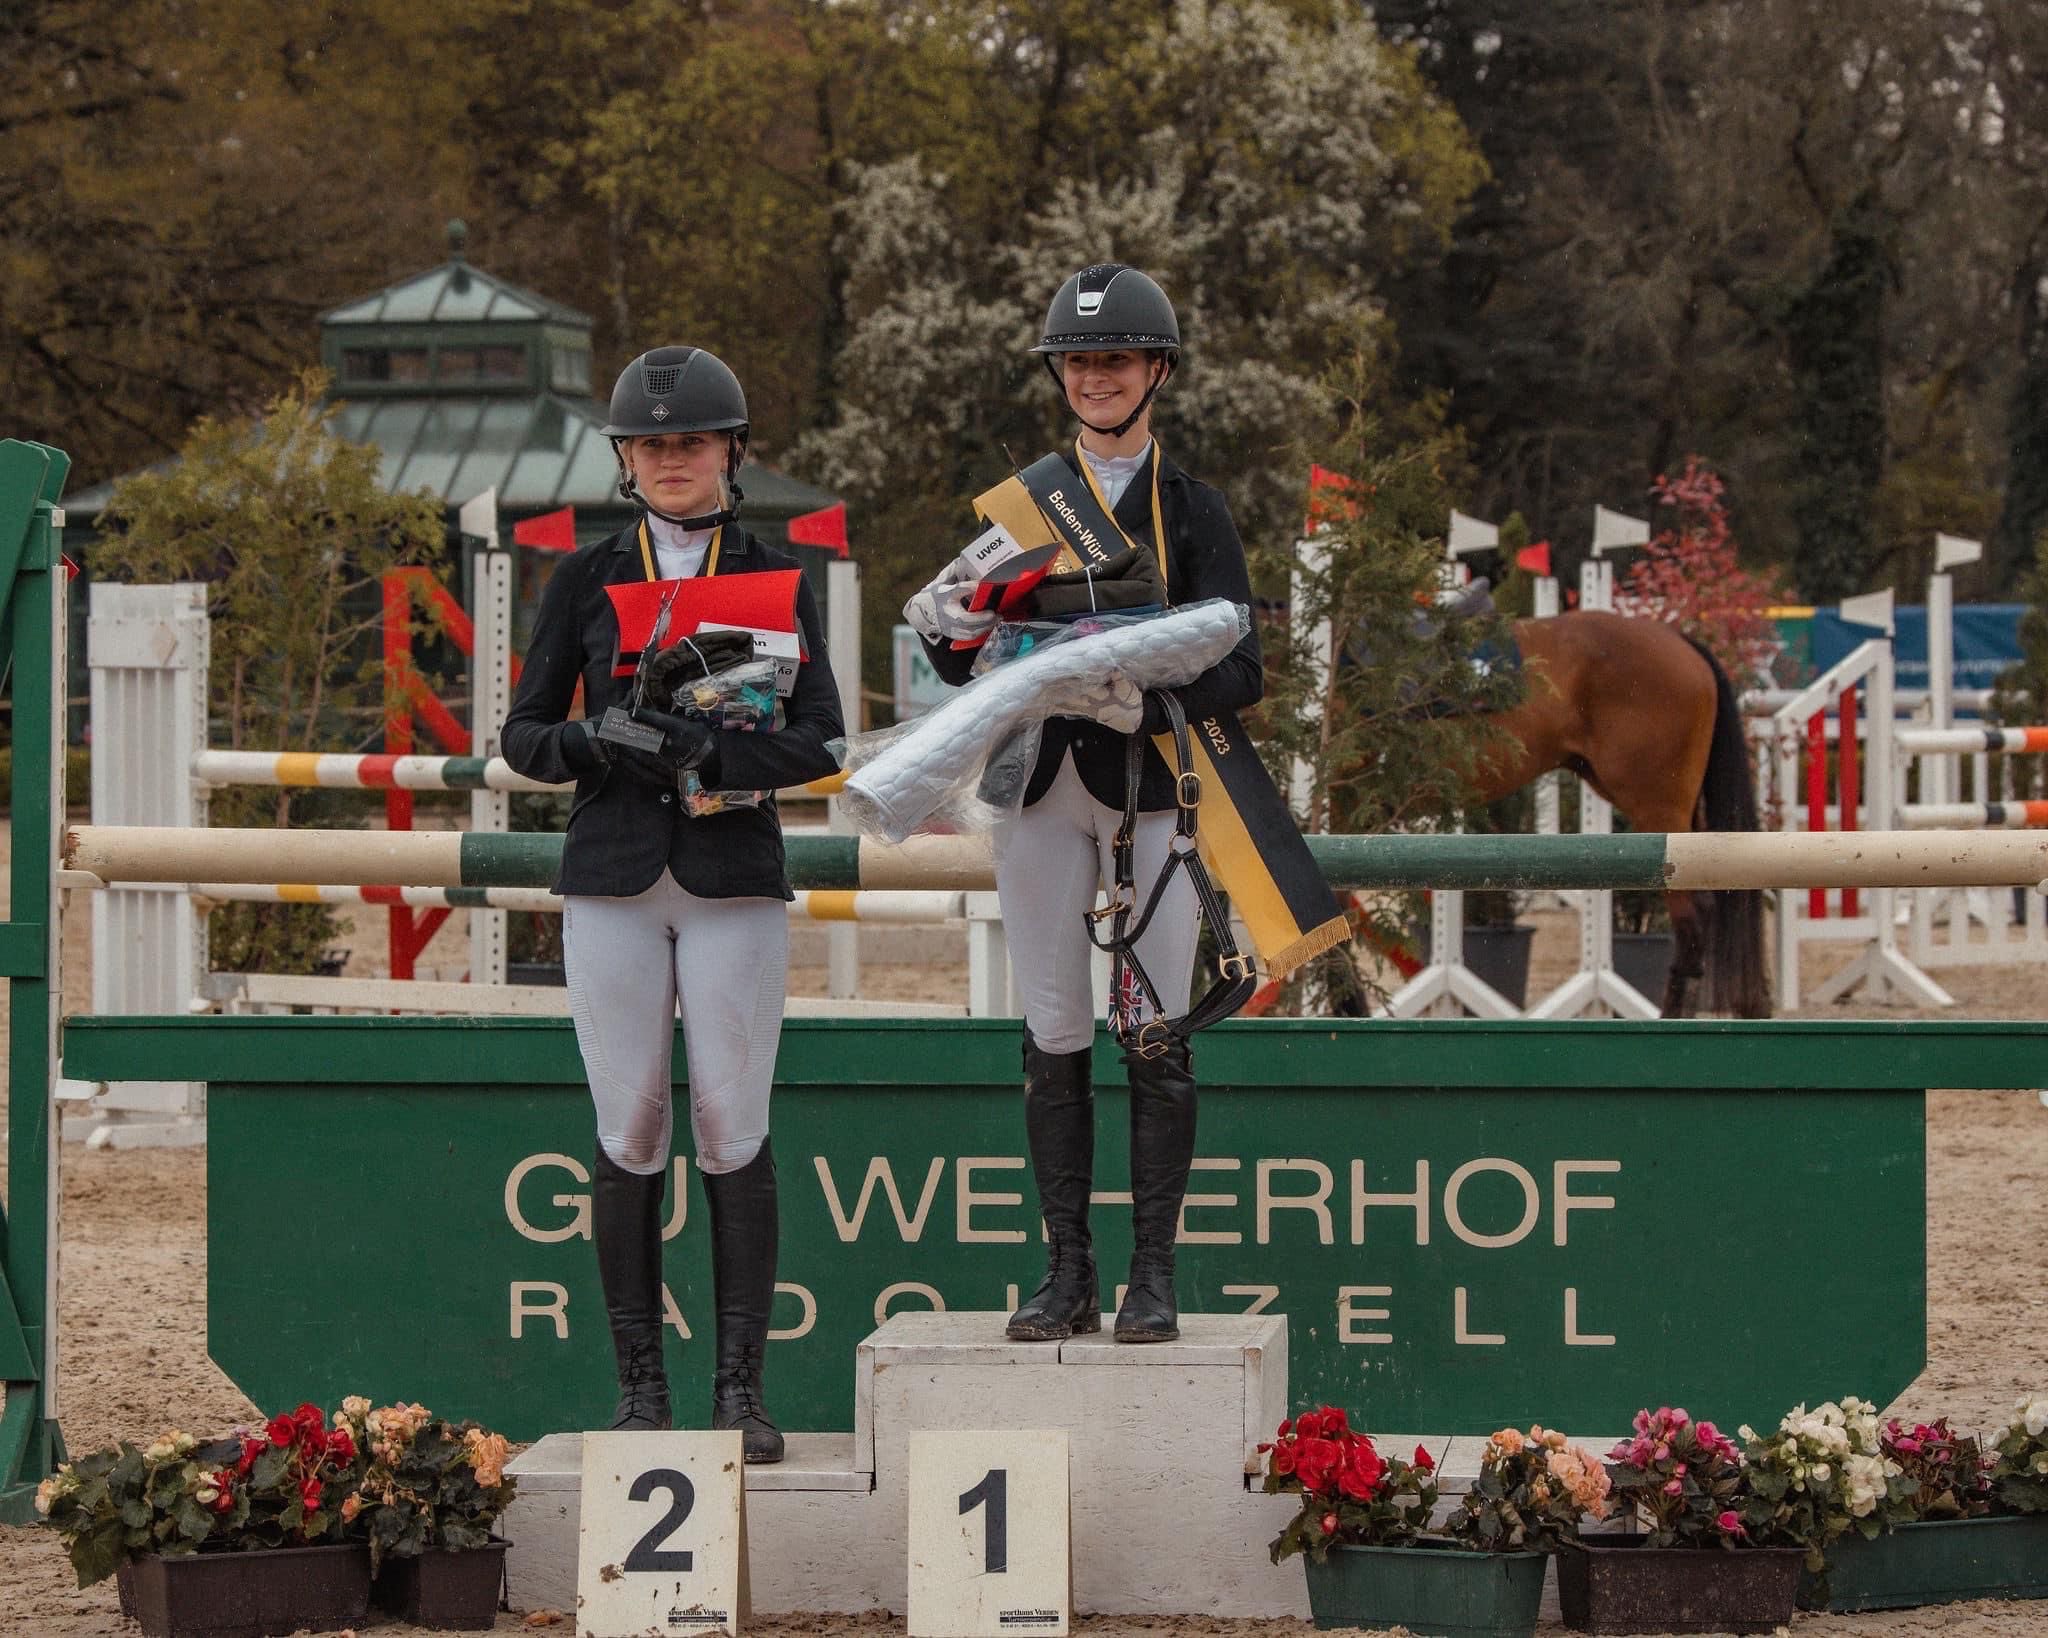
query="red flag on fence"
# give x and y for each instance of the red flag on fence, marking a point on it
(1536, 559)
(826, 527)
(552, 531)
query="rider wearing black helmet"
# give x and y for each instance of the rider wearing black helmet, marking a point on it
(669, 391)
(1111, 341)
(661, 907)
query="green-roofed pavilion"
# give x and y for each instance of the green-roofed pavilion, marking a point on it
(465, 382)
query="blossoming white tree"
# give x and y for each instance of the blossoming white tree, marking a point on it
(1272, 166)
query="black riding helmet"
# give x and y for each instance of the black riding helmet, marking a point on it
(1110, 307)
(679, 389)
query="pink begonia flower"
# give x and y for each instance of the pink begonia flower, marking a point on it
(1674, 1487)
(1678, 1418)
(1730, 1523)
(1910, 1447)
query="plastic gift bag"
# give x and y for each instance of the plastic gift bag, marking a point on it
(963, 765)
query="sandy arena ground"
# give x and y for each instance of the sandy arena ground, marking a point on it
(134, 1266)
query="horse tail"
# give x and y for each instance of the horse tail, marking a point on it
(1733, 921)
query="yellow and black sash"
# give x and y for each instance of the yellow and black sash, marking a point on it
(1246, 835)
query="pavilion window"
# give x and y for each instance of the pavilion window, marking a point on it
(569, 370)
(384, 364)
(470, 366)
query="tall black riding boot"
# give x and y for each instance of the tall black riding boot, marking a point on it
(1059, 1126)
(1162, 1149)
(744, 1231)
(626, 1221)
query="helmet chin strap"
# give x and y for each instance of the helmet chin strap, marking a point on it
(730, 492)
(1130, 420)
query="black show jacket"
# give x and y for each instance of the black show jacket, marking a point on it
(1204, 559)
(622, 831)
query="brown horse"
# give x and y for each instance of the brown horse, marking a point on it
(1647, 718)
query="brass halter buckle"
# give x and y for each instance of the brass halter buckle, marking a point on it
(1187, 790)
(1123, 899)
(1235, 967)
(1152, 1040)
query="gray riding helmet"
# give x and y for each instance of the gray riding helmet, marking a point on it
(676, 389)
(1109, 307)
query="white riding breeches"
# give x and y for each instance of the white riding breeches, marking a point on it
(628, 961)
(1051, 860)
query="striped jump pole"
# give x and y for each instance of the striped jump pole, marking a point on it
(99, 854)
(1971, 741)
(2026, 815)
(336, 771)
(900, 908)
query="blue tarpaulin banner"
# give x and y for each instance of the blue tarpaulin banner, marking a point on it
(1987, 640)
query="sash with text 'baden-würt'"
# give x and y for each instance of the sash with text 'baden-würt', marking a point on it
(1247, 837)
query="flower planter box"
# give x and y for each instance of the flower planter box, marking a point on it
(443, 1588)
(1626, 1587)
(248, 1594)
(1434, 1591)
(1937, 1561)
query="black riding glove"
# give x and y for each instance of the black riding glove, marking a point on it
(685, 743)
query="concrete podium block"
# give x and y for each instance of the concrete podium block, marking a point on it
(1162, 1439)
(1166, 1513)
(807, 1522)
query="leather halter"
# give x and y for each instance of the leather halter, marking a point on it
(1235, 980)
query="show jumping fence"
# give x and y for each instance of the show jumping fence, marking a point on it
(485, 1104)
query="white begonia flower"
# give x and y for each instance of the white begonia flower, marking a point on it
(2033, 1415)
(1821, 1470)
(1865, 1476)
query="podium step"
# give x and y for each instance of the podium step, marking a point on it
(1162, 1436)
(807, 1516)
(1167, 1515)
(1162, 1439)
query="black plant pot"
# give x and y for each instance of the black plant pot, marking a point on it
(1622, 1586)
(1500, 957)
(444, 1589)
(1644, 961)
(248, 1594)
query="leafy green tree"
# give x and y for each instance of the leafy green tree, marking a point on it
(288, 526)
(1393, 733)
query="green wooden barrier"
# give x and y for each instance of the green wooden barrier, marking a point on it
(1468, 1223)
(31, 583)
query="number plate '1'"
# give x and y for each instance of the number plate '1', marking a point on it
(662, 1547)
(989, 1546)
